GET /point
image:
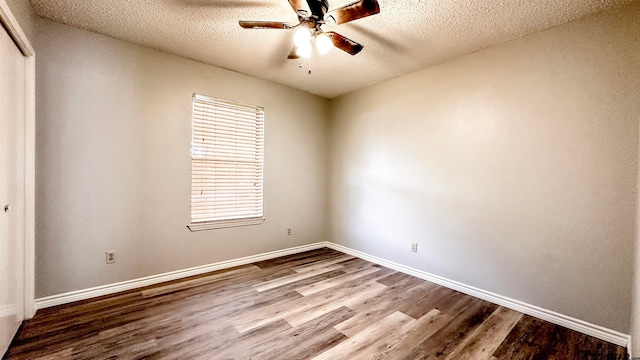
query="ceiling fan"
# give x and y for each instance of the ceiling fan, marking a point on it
(310, 25)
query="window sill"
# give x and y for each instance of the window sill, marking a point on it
(223, 224)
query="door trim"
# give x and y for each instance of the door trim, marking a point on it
(15, 32)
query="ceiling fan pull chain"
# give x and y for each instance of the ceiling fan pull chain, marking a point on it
(309, 65)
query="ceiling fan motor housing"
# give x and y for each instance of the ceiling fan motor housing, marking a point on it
(318, 7)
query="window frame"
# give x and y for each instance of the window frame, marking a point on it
(209, 224)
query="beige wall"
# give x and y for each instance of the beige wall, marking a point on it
(113, 162)
(514, 168)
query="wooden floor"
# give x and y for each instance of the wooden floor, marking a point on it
(316, 305)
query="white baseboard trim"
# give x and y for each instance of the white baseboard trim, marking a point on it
(9, 311)
(84, 294)
(581, 326)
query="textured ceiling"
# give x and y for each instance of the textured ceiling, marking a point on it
(407, 34)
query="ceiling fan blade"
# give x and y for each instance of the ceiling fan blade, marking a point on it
(344, 44)
(264, 24)
(293, 54)
(299, 5)
(353, 11)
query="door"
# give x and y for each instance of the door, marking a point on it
(12, 188)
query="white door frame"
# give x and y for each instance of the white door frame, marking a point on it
(15, 32)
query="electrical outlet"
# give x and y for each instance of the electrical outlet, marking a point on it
(288, 231)
(110, 257)
(414, 247)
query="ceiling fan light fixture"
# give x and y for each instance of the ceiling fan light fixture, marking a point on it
(323, 43)
(302, 37)
(309, 29)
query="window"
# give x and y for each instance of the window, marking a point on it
(227, 152)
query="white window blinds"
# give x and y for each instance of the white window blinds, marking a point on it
(227, 154)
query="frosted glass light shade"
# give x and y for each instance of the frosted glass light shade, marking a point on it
(302, 37)
(323, 43)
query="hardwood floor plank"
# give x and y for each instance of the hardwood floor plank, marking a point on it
(559, 343)
(485, 339)
(445, 340)
(236, 307)
(311, 347)
(314, 337)
(313, 308)
(424, 328)
(581, 346)
(320, 303)
(402, 279)
(377, 308)
(367, 343)
(356, 264)
(334, 281)
(401, 291)
(429, 296)
(242, 346)
(525, 341)
(190, 283)
(304, 309)
(293, 286)
(298, 276)
(60, 355)
(298, 259)
(315, 266)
